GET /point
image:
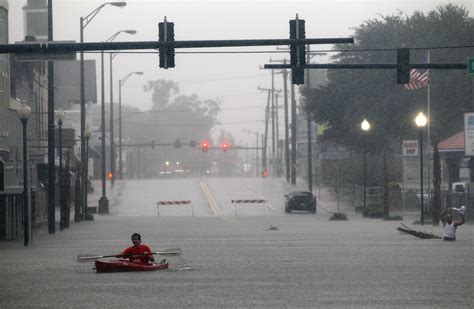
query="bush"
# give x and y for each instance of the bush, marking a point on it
(374, 211)
(338, 216)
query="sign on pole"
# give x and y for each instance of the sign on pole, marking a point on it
(469, 134)
(410, 148)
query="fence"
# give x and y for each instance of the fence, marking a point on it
(354, 195)
(11, 215)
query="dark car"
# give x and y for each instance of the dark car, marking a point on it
(300, 200)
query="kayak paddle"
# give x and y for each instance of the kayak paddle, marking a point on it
(91, 257)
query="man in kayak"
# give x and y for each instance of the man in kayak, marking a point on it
(138, 253)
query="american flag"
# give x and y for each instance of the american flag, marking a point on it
(418, 80)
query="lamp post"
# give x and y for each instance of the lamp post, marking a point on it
(421, 121)
(84, 21)
(87, 135)
(121, 82)
(365, 126)
(24, 113)
(61, 115)
(112, 145)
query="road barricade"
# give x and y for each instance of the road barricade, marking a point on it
(254, 201)
(173, 203)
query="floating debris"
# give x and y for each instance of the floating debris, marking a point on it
(272, 228)
(423, 235)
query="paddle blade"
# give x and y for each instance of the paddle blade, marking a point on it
(169, 252)
(82, 258)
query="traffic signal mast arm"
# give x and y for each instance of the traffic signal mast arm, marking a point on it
(439, 65)
(54, 47)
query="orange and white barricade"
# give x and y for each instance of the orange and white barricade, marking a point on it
(173, 203)
(254, 201)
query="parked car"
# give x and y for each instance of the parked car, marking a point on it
(300, 200)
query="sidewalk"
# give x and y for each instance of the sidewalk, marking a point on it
(94, 197)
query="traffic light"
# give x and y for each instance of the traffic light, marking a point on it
(177, 143)
(109, 175)
(192, 143)
(403, 66)
(166, 34)
(153, 144)
(205, 146)
(297, 51)
(225, 147)
(265, 174)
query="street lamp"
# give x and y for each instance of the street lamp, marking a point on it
(121, 82)
(112, 145)
(24, 113)
(84, 21)
(365, 126)
(60, 116)
(421, 121)
(87, 135)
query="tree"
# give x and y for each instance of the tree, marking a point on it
(352, 95)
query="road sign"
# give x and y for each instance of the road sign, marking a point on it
(470, 66)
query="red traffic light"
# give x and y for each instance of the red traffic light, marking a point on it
(109, 175)
(204, 145)
(225, 147)
(265, 173)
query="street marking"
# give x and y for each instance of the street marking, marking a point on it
(212, 202)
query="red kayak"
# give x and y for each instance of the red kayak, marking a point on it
(125, 265)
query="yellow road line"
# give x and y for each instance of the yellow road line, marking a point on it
(215, 208)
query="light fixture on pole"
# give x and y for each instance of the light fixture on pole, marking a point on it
(87, 135)
(112, 145)
(24, 113)
(121, 82)
(60, 116)
(421, 121)
(84, 21)
(365, 126)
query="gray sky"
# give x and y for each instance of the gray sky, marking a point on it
(232, 78)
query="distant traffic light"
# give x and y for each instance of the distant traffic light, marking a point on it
(265, 173)
(205, 146)
(403, 62)
(177, 143)
(225, 147)
(109, 175)
(166, 34)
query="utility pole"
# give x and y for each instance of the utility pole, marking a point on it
(51, 171)
(308, 121)
(293, 135)
(271, 92)
(278, 165)
(287, 145)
